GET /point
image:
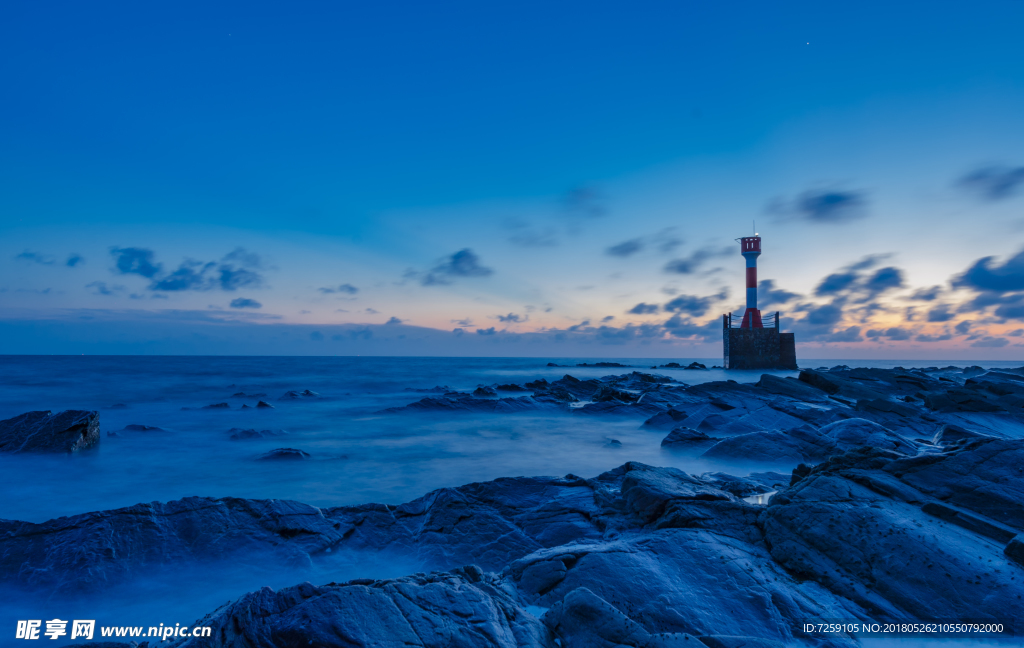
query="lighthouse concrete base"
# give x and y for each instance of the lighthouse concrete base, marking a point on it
(758, 348)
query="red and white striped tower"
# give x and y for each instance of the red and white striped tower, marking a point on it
(750, 247)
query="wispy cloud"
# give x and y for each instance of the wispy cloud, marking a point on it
(243, 302)
(237, 269)
(585, 202)
(822, 206)
(135, 261)
(346, 289)
(993, 183)
(35, 257)
(101, 288)
(693, 305)
(527, 235)
(986, 274)
(692, 263)
(626, 248)
(770, 296)
(640, 309)
(462, 264)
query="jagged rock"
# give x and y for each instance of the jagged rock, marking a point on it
(537, 384)
(488, 523)
(666, 420)
(605, 394)
(1015, 549)
(806, 444)
(216, 406)
(856, 432)
(244, 395)
(950, 434)
(464, 608)
(83, 552)
(613, 443)
(791, 387)
(672, 581)
(801, 471)
(617, 408)
(866, 534)
(135, 427)
(584, 620)
(857, 524)
(960, 400)
(484, 392)
(264, 405)
(738, 486)
(647, 490)
(510, 388)
(684, 437)
(283, 454)
(985, 476)
(296, 395)
(238, 434)
(68, 432)
(581, 389)
(440, 389)
(471, 403)
(818, 380)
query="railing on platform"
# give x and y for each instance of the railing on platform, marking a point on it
(735, 320)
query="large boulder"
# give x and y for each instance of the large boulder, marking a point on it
(907, 537)
(669, 581)
(464, 608)
(857, 432)
(67, 432)
(584, 620)
(684, 438)
(805, 444)
(488, 523)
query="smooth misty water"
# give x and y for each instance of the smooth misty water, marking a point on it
(358, 455)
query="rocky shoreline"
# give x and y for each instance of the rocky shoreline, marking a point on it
(891, 495)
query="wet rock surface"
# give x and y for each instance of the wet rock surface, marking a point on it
(284, 454)
(912, 404)
(889, 504)
(65, 432)
(464, 608)
(646, 554)
(136, 427)
(239, 434)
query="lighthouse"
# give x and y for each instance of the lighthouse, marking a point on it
(756, 343)
(750, 248)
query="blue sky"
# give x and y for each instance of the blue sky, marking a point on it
(510, 179)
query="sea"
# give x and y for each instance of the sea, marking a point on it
(357, 454)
